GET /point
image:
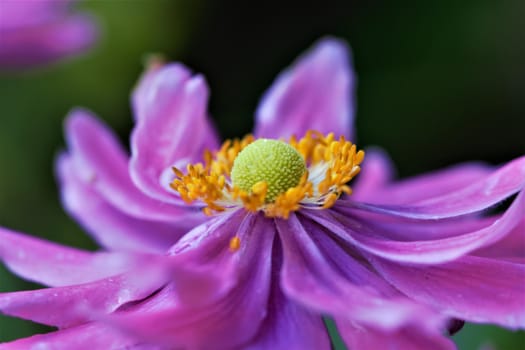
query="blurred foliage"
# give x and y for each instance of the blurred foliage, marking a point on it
(439, 82)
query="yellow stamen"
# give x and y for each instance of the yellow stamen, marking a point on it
(331, 164)
(235, 244)
(254, 199)
(289, 201)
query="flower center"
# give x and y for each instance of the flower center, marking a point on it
(272, 176)
(271, 161)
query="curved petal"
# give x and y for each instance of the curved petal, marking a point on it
(471, 288)
(406, 230)
(477, 196)
(512, 246)
(348, 263)
(55, 265)
(315, 93)
(427, 186)
(157, 85)
(80, 303)
(205, 267)
(420, 251)
(142, 95)
(166, 320)
(110, 227)
(307, 277)
(172, 129)
(376, 172)
(46, 42)
(289, 326)
(102, 163)
(85, 337)
(358, 337)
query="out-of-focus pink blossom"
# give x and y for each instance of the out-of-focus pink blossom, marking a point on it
(36, 32)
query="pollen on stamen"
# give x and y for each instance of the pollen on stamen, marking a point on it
(274, 177)
(235, 244)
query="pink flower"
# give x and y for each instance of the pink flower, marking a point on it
(393, 263)
(34, 32)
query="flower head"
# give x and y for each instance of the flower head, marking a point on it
(249, 244)
(41, 31)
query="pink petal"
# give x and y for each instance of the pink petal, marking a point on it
(511, 246)
(426, 186)
(477, 196)
(157, 85)
(202, 261)
(471, 288)
(317, 93)
(359, 337)
(348, 264)
(84, 337)
(289, 326)
(172, 129)
(102, 164)
(381, 243)
(142, 95)
(396, 228)
(309, 278)
(54, 265)
(79, 303)
(376, 172)
(110, 227)
(229, 319)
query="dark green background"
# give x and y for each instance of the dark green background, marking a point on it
(439, 82)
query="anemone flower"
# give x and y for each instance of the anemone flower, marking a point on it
(250, 244)
(41, 31)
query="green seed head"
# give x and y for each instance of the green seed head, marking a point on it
(272, 161)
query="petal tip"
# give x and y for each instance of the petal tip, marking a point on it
(197, 84)
(331, 49)
(77, 118)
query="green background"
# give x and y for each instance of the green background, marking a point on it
(439, 82)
